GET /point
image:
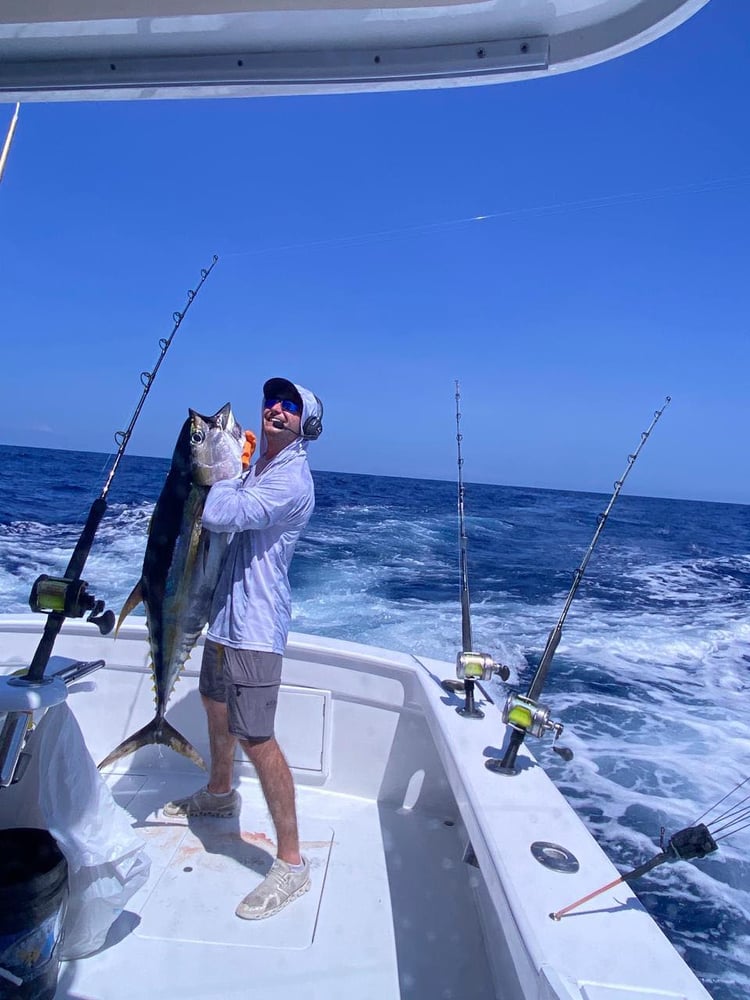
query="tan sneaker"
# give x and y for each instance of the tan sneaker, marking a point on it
(279, 887)
(204, 803)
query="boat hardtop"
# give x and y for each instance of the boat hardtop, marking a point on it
(208, 48)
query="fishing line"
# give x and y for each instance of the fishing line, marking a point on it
(602, 201)
(732, 819)
(737, 812)
(730, 828)
(723, 799)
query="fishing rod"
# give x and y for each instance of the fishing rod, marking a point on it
(696, 841)
(67, 596)
(523, 713)
(463, 544)
(470, 666)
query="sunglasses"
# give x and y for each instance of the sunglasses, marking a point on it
(286, 404)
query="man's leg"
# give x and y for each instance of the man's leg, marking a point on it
(252, 693)
(214, 697)
(222, 744)
(278, 789)
(289, 877)
(218, 797)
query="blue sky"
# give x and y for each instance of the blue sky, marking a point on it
(611, 270)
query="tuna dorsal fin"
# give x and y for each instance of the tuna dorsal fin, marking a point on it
(135, 598)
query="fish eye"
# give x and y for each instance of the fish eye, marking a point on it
(197, 436)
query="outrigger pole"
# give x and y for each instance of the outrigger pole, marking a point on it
(67, 596)
(523, 713)
(8, 140)
(470, 666)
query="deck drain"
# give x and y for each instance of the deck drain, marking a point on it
(554, 857)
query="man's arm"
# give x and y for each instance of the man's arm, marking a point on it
(230, 506)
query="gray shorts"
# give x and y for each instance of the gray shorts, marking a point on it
(248, 681)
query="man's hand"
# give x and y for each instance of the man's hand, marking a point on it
(248, 450)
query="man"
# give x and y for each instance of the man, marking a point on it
(248, 626)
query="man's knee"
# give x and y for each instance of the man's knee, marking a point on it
(258, 748)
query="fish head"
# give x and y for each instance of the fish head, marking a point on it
(216, 445)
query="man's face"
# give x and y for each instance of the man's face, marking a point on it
(281, 419)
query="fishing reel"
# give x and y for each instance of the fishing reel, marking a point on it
(525, 717)
(529, 716)
(479, 667)
(472, 667)
(71, 599)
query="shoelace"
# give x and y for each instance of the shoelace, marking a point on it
(278, 876)
(281, 877)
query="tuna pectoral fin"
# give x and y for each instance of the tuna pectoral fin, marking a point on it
(134, 599)
(157, 731)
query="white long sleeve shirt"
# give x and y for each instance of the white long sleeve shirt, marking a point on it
(252, 605)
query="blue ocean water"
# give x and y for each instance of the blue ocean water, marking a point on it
(651, 679)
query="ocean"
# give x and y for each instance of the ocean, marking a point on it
(651, 679)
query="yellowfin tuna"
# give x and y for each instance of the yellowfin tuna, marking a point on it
(181, 565)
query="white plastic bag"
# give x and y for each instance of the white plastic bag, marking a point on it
(98, 895)
(107, 862)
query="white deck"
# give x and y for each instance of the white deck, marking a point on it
(393, 798)
(339, 940)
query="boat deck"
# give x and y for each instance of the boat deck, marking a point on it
(396, 807)
(376, 923)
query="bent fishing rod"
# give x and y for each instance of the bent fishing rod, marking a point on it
(523, 713)
(67, 596)
(470, 666)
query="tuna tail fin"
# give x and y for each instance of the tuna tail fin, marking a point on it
(157, 731)
(134, 599)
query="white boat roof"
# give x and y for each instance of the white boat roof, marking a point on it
(76, 49)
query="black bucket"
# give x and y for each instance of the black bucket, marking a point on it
(33, 897)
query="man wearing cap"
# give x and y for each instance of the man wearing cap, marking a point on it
(267, 509)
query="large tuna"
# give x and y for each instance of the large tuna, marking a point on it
(181, 565)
